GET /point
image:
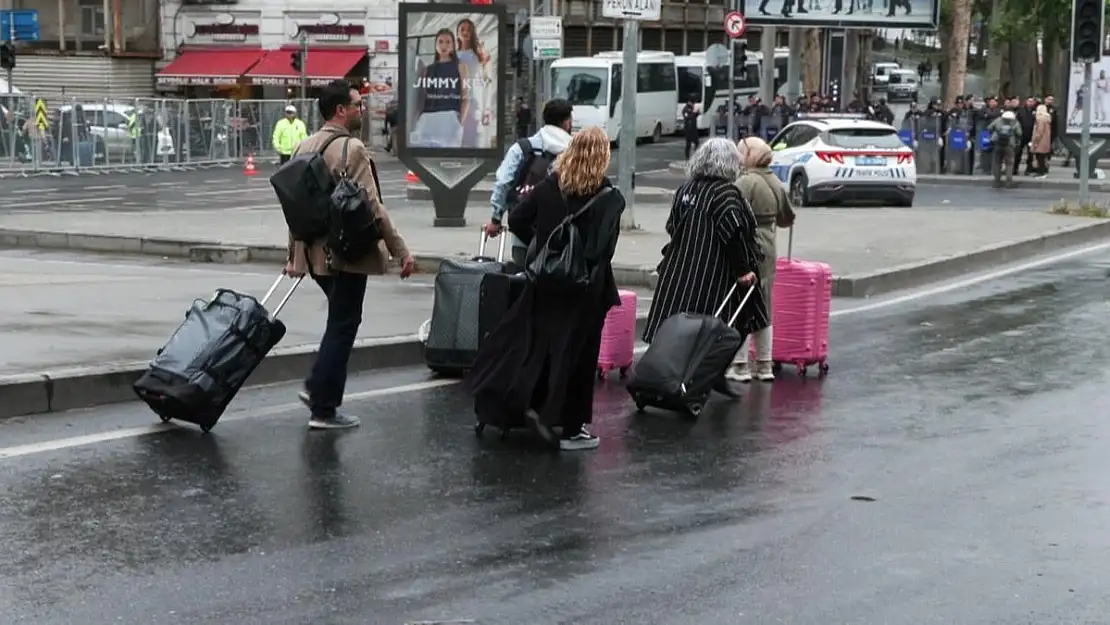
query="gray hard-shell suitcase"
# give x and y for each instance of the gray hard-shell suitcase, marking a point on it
(470, 298)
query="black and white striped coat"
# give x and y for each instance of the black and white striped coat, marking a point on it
(712, 244)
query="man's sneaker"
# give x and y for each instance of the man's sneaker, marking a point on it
(539, 427)
(338, 421)
(739, 372)
(582, 440)
(765, 371)
(305, 398)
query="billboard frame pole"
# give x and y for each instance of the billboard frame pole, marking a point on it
(1085, 137)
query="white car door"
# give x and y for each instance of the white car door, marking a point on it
(791, 149)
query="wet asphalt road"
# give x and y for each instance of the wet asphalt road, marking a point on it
(970, 424)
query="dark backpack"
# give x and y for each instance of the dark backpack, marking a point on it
(1002, 135)
(534, 167)
(561, 263)
(304, 186)
(353, 229)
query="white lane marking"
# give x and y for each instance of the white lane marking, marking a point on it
(91, 439)
(221, 192)
(974, 280)
(102, 187)
(30, 191)
(103, 437)
(92, 200)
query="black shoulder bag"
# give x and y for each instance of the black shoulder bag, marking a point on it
(353, 229)
(561, 262)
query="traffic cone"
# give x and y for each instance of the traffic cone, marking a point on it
(411, 177)
(248, 169)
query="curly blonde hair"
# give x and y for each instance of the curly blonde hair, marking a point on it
(582, 166)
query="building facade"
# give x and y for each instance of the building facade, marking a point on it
(245, 49)
(89, 48)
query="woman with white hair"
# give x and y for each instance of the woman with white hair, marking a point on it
(712, 244)
(772, 209)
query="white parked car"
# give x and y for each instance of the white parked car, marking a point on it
(843, 158)
(109, 122)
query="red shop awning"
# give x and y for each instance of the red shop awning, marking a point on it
(324, 65)
(210, 66)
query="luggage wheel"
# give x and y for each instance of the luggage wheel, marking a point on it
(823, 368)
(164, 419)
(479, 428)
(776, 367)
(640, 406)
(624, 372)
(694, 410)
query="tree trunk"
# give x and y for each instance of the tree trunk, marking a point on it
(993, 75)
(867, 44)
(811, 59)
(850, 89)
(957, 50)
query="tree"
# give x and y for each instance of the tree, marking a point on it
(959, 14)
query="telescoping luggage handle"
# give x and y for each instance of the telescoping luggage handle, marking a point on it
(744, 301)
(790, 245)
(500, 248)
(284, 300)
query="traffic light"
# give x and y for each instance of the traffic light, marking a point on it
(1086, 30)
(7, 56)
(297, 60)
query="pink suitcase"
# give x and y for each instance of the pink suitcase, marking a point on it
(801, 298)
(618, 337)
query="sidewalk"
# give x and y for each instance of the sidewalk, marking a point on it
(871, 251)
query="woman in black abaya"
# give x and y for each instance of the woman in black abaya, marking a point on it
(539, 364)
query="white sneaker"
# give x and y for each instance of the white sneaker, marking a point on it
(582, 440)
(739, 372)
(765, 371)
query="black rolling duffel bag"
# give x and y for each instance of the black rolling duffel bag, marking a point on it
(689, 354)
(212, 353)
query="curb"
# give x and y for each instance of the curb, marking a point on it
(226, 253)
(972, 181)
(937, 269)
(23, 395)
(647, 196)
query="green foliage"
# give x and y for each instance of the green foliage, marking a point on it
(1097, 210)
(1029, 19)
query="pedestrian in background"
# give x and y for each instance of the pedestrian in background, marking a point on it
(288, 134)
(1040, 145)
(771, 208)
(541, 359)
(1006, 139)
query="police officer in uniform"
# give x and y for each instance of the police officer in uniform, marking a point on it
(690, 125)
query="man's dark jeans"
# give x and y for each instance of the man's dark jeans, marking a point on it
(328, 379)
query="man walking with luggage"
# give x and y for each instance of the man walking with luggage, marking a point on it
(288, 134)
(523, 168)
(343, 283)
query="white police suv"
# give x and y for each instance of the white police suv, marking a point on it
(826, 158)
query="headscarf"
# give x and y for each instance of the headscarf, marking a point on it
(755, 152)
(1042, 113)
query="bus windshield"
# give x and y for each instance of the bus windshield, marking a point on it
(586, 86)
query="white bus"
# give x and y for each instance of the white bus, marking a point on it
(593, 87)
(710, 85)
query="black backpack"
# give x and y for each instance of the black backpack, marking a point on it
(532, 170)
(1002, 135)
(561, 263)
(304, 187)
(353, 229)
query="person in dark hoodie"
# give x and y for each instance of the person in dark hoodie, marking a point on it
(1026, 114)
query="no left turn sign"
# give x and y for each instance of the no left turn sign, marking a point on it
(735, 25)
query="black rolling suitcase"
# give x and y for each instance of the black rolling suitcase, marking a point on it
(212, 353)
(689, 354)
(471, 297)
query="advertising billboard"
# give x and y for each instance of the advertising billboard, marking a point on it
(1099, 100)
(451, 64)
(923, 14)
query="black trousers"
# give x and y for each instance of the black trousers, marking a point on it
(328, 378)
(284, 158)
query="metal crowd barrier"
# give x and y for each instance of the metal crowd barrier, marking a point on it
(83, 136)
